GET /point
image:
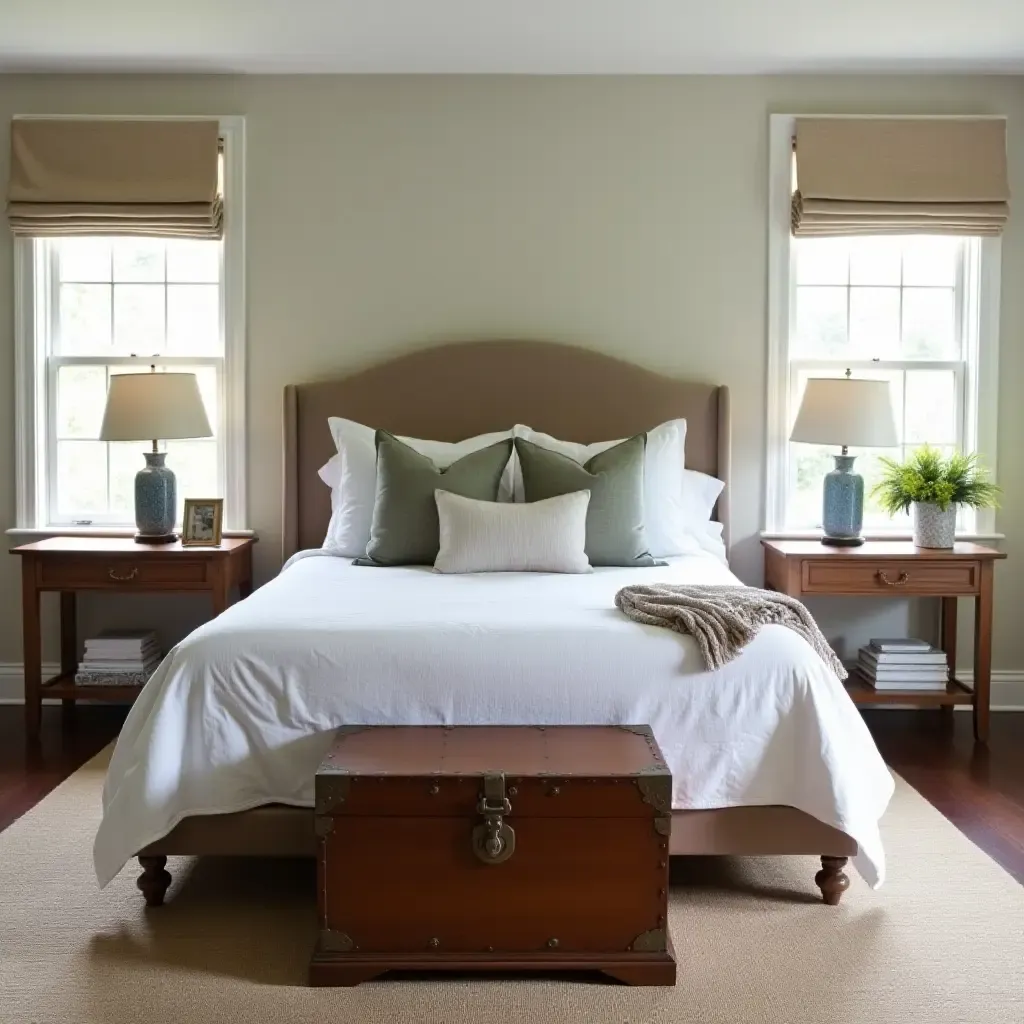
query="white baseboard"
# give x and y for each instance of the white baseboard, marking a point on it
(1007, 689)
(1007, 686)
(12, 685)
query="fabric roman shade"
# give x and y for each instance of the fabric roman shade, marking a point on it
(108, 177)
(889, 176)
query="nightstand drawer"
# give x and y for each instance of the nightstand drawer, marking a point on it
(121, 571)
(885, 576)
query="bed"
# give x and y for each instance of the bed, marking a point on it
(449, 392)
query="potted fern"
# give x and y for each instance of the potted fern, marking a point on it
(932, 487)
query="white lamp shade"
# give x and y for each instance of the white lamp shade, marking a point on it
(846, 411)
(154, 406)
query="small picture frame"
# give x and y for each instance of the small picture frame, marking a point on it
(201, 522)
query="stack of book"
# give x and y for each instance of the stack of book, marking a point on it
(903, 665)
(121, 657)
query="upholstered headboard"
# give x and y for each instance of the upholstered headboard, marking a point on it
(455, 391)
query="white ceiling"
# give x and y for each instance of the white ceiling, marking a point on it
(512, 36)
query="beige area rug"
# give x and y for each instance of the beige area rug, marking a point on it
(942, 942)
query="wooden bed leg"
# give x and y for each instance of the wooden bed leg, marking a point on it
(154, 880)
(832, 880)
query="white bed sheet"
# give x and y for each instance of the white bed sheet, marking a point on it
(241, 712)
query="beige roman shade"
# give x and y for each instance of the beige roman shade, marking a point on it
(900, 176)
(109, 177)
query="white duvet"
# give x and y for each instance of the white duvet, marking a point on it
(241, 712)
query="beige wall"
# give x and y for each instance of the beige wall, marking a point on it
(625, 214)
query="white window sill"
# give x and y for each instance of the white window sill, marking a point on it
(95, 531)
(875, 535)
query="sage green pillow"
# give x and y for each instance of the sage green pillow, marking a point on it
(405, 529)
(615, 479)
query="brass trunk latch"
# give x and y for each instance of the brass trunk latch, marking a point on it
(494, 841)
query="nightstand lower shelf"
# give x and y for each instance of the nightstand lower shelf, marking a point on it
(861, 692)
(65, 687)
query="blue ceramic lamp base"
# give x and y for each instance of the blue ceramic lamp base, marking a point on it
(156, 501)
(843, 505)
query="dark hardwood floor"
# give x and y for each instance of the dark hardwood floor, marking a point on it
(28, 772)
(981, 790)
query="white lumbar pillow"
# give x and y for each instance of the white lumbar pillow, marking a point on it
(352, 477)
(491, 536)
(664, 459)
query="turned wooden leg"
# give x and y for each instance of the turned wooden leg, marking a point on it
(832, 880)
(154, 880)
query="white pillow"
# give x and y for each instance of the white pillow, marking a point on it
(352, 477)
(700, 492)
(664, 459)
(488, 536)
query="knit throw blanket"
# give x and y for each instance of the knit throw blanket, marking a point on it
(723, 620)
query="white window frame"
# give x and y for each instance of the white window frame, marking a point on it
(35, 463)
(979, 323)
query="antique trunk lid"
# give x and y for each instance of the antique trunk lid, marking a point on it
(433, 771)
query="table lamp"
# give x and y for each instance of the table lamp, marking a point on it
(151, 406)
(845, 411)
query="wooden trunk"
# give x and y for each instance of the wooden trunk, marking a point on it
(480, 848)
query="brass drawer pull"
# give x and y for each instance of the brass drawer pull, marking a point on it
(903, 578)
(123, 578)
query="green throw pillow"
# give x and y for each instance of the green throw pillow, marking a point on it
(615, 479)
(405, 528)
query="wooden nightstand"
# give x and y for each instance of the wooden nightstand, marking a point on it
(803, 568)
(70, 564)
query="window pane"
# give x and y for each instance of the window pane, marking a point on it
(83, 259)
(81, 478)
(869, 466)
(208, 388)
(931, 260)
(193, 261)
(930, 415)
(139, 318)
(138, 259)
(875, 260)
(195, 465)
(929, 331)
(901, 303)
(821, 321)
(927, 414)
(81, 396)
(822, 260)
(810, 464)
(84, 325)
(126, 459)
(875, 322)
(193, 319)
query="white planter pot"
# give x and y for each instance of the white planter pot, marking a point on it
(933, 528)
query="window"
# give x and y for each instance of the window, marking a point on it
(94, 307)
(917, 311)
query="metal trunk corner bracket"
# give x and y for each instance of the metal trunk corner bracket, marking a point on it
(656, 790)
(653, 941)
(331, 792)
